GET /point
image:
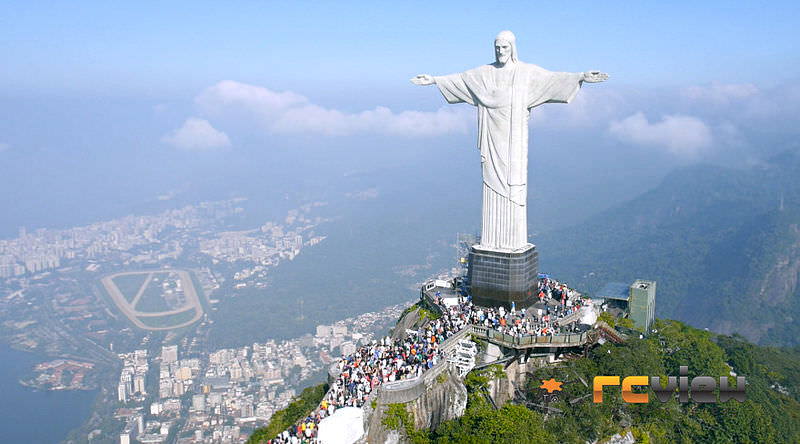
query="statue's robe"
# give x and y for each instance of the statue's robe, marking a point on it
(503, 114)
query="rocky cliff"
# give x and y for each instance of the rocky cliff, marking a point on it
(444, 398)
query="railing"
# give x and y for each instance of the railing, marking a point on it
(530, 341)
(570, 317)
(410, 389)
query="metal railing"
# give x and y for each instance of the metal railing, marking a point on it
(530, 341)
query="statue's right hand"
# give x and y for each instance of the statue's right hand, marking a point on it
(423, 79)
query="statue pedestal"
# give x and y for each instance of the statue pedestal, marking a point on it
(500, 277)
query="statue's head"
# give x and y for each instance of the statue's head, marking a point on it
(505, 47)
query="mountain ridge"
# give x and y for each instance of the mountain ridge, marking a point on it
(723, 243)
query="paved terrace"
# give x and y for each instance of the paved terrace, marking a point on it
(428, 294)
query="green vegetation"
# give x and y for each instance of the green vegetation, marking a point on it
(397, 417)
(332, 288)
(152, 300)
(299, 408)
(479, 379)
(481, 343)
(509, 424)
(773, 382)
(625, 323)
(722, 250)
(169, 320)
(481, 423)
(766, 416)
(129, 284)
(608, 318)
(405, 312)
(424, 313)
(771, 412)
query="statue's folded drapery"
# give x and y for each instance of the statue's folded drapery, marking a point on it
(503, 110)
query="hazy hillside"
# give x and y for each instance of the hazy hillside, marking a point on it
(723, 244)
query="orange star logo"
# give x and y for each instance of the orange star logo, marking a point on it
(551, 385)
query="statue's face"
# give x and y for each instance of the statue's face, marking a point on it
(502, 51)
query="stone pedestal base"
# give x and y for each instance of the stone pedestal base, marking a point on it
(498, 277)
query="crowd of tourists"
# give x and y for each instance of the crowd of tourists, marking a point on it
(389, 360)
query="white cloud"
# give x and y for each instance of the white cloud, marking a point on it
(230, 95)
(332, 122)
(288, 112)
(196, 134)
(720, 93)
(682, 135)
(592, 107)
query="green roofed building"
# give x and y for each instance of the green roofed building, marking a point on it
(642, 304)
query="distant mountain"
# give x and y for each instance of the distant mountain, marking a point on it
(723, 244)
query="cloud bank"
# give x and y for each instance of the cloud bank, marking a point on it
(290, 113)
(720, 93)
(679, 134)
(716, 114)
(196, 134)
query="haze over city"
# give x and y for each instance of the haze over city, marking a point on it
(205, 205)
(96, 98)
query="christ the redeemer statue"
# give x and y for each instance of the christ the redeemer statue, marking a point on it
(504, 92)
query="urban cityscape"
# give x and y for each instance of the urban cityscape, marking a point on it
(56, 306)
(224, 395)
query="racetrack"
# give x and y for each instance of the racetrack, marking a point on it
(129, 310)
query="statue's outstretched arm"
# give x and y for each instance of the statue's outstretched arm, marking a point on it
(594, 77)
(423, 79)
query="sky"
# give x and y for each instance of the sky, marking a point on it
(109, 105)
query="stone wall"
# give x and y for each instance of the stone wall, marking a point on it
(443, 397)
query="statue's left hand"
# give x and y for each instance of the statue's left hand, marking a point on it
(423, 79)
(594, 77)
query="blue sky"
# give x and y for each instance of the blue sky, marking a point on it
(95, 96)
(161, 49)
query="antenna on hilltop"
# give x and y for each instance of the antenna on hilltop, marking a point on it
(301, 311)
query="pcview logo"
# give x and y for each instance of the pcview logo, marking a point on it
(702, 388)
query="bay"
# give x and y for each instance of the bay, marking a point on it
(41, 416)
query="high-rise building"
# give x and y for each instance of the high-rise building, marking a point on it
(248, 410)
(642, 303)
(138, 384)
(178, 389)
(348, 348)
(169, 354)
(122, 392)
(324, 331)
